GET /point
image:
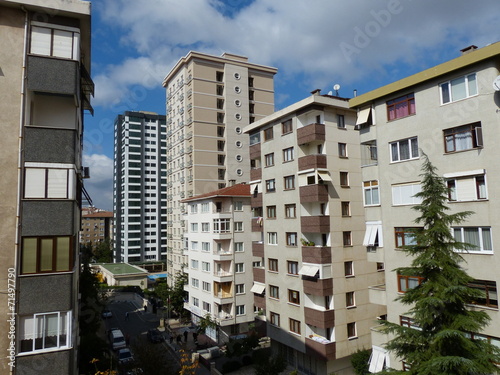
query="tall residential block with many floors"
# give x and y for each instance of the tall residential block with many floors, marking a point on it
(209, 101)
(311, 275)
(140, 187)
(45, 90)
(451, 113)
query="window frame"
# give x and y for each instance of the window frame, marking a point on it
(274, 319)
(476, 134)
(345, 208)
(449, 89)
(401, 233)
(351, 330)
(271, 212)
(294, 326)
(350, 299)
(344, 179)
(289, 182)
(406, 101)
(486, 286)
(349, 268)
(272, 264)
(413, 153)
(239, 267)
(370, 187)
(480, 236)
(29, 330)
(347, 238)
(342, 150)
(286, 127)
(272, 238)
(294, 297)
(292, 239)
(289, 208)
(27, 254)
(291, 266)
(400, 277)
(268, 134)
(240, 310)
(271, 185)
(239, 289)
(274, 292)
(75, 40)
(288, 154)
(269, 159)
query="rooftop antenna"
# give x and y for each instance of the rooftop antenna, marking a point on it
(336, 87)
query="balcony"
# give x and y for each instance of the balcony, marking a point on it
(259, 275)
(320, 347)
(258, 249)
(317, 254)
(377, 294)
(223, 255)
(56, 76)
(310, 133)
(257, 224)
(256, 200)
(312, 161)
(315, 224)
(259, 301)
(318, 287)
(255, 151)
(320, 319)
(255, 174)
(222, 295)
(313, 193)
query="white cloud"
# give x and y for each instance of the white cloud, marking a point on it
(100, 184)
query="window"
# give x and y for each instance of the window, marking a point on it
(269, 159)
(287, 154)
(239, 247)
(405, 149)
(274, 292)
(196, 302)
(466, 188)
(290, 211)
(405, 194)
(270, 186)
(206, 306)
(49, 183)
(205, 227)
(271, 212)
(349, 299)
(293, 297)
(408, 282)
(222, 225)
(406, 321)
(344, 179)
(369, 153)
(340, 121)
(292, 267)
(205, 246)
(371, 193)
(349, 268)
(61, 42)
(401, 107)
(194, 245)
(238, 206)
(489, 289)
(46, 254)
(195, 283)
(194, 264)
(342, 150)
(405, 236)
(205, 207)
(286, 127)
(194, 227)
(273, 264)
(274, 319)
(240, 288)
(461, 138)
(254, 138)
(219, 76)
(291, 239)
(289, 182)
(268, 134)
(351, 330)
(240, 309)
(479, 238)
(346, 237)
(345, 208)
(205, 266)
(294, 326)
(380, 266)
(238, 226)
(45, 331)
(272, 238)
(458, 88)
(206, 286)
(239, 267)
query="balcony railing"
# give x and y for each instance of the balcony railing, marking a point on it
(313, 193)
(310, 133)
(312, 161)
(316, 254)
(315, 224)
(320, 347)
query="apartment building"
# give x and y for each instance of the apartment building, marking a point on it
(219, 251)
(97, 225)
(312, 275)
(450, 112)
(46, 89)
(140, 187)
(209, 101)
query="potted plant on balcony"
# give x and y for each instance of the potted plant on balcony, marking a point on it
(304, 242)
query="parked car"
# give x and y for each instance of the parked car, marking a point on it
(125, 356)
(106, 314)
(117, 339)
(155, 336)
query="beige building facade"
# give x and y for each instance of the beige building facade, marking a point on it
(312, 274)
(46, 87)
(209, 101)
(450, 112)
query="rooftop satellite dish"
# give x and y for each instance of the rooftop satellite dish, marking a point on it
(336, 87)
(330, 92)
(496, 84)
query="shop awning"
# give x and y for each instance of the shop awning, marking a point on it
(307, 270)
(258, 288)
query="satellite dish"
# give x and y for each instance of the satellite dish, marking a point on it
(336, 87)
(496, 84)
(330, 92)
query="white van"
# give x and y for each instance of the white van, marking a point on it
(117, 339)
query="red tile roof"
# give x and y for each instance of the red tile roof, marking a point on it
(98, 214)
(239, 190)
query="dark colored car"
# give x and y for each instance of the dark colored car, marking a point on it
(155, 336)
(107, 314)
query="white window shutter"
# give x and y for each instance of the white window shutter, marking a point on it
(466, 189)
(57, 184)
(63, 44)
(41, 40)
(34, 183)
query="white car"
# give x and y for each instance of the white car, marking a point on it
(125, 356)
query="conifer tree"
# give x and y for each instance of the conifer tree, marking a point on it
(440, 340)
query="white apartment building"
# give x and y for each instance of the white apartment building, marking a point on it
(140, 187)
(451, 112)
(209, 101)
(313, 276)
(218, 249)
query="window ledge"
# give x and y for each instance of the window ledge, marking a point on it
(293, 304)
(352, 338)
(351, 307)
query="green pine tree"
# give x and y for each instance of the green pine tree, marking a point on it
(442, 343)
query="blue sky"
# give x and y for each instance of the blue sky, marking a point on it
(359, 44)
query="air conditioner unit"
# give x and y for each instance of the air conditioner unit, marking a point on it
(85, 172)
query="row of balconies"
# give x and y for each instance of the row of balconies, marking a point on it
(308, 224)
(310, 254)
